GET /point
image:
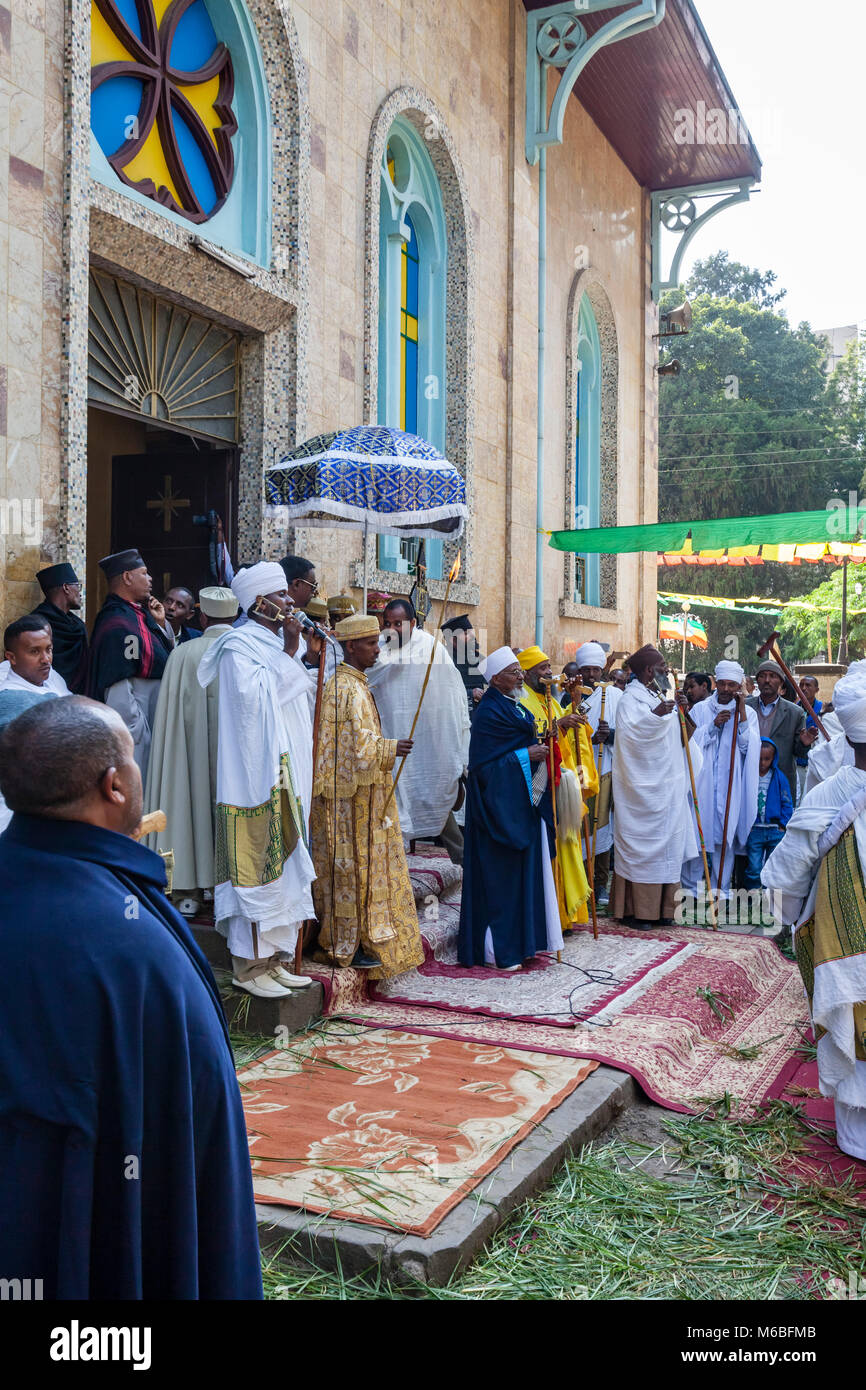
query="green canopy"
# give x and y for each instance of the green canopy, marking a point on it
(841, 523)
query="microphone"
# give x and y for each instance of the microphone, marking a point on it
(309, 626)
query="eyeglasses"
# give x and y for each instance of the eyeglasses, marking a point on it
(314, 588)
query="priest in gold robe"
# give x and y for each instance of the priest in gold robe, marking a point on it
(577, 759)
(363, 897)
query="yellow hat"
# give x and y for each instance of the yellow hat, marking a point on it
(531, 656)
(341, 605)
(317, 608)
(358, 625)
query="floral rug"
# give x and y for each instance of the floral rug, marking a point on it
(725, 1018)
(443, 1113)
(594, 979)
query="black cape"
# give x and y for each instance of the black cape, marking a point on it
(126, 641)
(70, 645)
(503, 884)
(124, 1165)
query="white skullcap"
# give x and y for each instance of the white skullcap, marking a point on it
(497, 661)
(849, 701)
(267, 577)
(729, 671)
(217, 602)
(590, 654)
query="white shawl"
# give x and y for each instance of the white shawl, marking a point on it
(712, 783)
(264, 712)
(428, 785)
(653, 832)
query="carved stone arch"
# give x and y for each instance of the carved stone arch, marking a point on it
(589, 283)
(426, 116)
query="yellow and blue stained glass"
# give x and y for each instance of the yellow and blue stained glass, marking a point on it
(409, 332)
(161, 101)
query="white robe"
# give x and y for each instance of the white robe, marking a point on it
(790, 877)
(428, 784)
(712, 788)
(264, 712)
(9, 680)
(653, 833)
(826, 758)
(603, 752)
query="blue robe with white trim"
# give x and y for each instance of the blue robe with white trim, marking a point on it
(503, 884)
(124, 1164)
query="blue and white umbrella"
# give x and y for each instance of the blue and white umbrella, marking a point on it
(369, 476)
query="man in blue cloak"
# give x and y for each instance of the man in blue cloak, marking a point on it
(124, 1165)
(508, 909)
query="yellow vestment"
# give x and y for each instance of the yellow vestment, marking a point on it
(572, 886)
(362, 893)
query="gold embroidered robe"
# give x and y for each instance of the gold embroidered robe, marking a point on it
(357, 846)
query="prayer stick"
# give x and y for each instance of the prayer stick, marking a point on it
(730, 789)
(771, 649)
(455, 570)
(604, 686)
(317, 716)
(685, 737)
(551, 763)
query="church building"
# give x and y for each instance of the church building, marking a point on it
(230, 225)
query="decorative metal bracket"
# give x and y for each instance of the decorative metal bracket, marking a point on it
(556, 38)
(675, 210)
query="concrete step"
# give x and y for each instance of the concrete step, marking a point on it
(307, 1238)
(261, 1017)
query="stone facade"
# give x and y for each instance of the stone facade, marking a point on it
(337, 75)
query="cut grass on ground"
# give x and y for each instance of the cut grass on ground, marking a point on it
(725, 1218)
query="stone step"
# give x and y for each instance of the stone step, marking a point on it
(260, 1017)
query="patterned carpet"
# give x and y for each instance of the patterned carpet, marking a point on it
(691, 1014)
(441, 1116)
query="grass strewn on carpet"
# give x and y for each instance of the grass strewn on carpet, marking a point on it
(726, 1219)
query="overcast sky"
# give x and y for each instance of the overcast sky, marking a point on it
(797, 69)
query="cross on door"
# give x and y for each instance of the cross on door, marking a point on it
(167, 502)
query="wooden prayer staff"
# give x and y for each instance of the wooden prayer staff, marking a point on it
(604, 686)
(153, 822)
(728, 796)
(770, 650)
(551, 764)
(452, 575)
(317, 716)
(685, 737)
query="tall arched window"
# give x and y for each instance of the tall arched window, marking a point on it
(412, 270)
(587, 473)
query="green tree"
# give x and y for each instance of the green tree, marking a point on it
(719, 276)
(805, 631)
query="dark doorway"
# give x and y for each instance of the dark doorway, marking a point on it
(161, 502)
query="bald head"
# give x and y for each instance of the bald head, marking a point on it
(71, 759)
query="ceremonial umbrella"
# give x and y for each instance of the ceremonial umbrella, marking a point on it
(369, 476)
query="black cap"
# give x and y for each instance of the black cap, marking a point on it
(461, 624)
(56, 575)
(113, 565)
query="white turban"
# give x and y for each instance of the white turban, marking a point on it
(590, 654)
(497, 661)
(849, 701)
(730, 671)
(267, 577)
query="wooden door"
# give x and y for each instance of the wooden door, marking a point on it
(159, 504)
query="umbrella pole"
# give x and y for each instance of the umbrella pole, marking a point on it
(366, 524)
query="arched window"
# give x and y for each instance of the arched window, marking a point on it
(587, 472)
(412, 271)
(180, 116)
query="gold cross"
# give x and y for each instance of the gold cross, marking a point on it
(167, 503)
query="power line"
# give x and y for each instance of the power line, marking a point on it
(727, 410)
(741, 454)
(783, 463)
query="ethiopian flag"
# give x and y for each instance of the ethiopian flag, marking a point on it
(671, 630)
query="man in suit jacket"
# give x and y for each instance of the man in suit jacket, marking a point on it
(781, 720)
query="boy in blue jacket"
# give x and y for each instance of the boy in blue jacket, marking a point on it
(774, 812)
